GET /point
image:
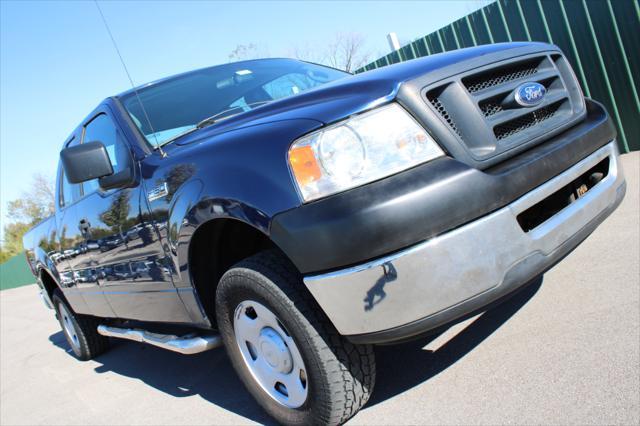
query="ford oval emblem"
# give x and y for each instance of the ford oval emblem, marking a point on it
(530, 94)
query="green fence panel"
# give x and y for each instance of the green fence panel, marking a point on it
(515, 22)
(617, 75)
(420, 47)
(588, 50)
(479, 28)
(15, 272)
(558, 31)
(534, 20)
(463, 33)
(496, 24)
(626, 19)
(600, 38)
(407, 53)
(448, 39)
(433, 41)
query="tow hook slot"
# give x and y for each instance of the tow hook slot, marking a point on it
(568, 194)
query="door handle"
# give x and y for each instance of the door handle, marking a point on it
(84, 224)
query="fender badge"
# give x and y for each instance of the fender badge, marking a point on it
(158, 192)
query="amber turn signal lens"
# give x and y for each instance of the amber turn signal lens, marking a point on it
(304, 165)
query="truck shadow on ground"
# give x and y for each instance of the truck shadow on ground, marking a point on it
(402, 367)
(210, 375)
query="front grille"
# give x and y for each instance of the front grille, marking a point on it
(499, 76)
(439, 106)
(526, 121)
(490, 107)
(479, 109)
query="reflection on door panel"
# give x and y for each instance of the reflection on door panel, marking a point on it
(133, 270)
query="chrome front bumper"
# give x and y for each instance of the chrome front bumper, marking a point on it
(467, 268)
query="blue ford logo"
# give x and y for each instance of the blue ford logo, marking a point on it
(530, 94)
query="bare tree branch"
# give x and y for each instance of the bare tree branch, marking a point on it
(306, 53)
(346, 52)
(244, 52)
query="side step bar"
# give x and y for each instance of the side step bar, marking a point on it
(188, 344)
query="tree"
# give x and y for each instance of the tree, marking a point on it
(12, 245)
(118, 212)
(175, 177)
(346, 52)
(307, 52)
(243, 52)
(33, 205)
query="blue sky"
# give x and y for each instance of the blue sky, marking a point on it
(57, 62)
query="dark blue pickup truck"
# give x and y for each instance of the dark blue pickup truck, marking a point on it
(299, 215)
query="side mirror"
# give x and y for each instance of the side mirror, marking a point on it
(121, 179)
(85, 162)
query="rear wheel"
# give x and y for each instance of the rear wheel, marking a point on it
(285, 350)
(80, 331)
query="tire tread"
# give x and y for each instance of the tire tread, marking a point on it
(92, 343)
(350, 368)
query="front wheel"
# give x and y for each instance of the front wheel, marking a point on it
(286, 352)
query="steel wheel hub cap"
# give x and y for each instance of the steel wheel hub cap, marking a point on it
(275, 351)
(270, 354)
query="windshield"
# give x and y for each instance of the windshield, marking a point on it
(179, 104)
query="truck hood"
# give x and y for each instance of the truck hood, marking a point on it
(342, 98)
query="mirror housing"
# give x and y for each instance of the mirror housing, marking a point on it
(85, 162)
(121, 179)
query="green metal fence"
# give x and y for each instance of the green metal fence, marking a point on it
(15, 272)
(601, 39)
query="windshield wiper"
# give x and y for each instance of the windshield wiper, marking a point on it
(179, 135)
(214, 118)
(209, 121)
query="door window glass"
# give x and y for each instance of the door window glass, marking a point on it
(102, 129)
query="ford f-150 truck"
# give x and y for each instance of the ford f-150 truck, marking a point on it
(299, 215)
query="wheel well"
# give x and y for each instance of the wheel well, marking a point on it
(48, 282)
(215, 247)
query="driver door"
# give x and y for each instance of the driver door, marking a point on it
(131, 265)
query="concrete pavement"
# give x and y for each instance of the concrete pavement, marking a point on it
(563, 351)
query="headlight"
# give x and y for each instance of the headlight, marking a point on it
(359, 150)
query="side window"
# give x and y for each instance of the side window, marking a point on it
(102, 129)
(68, 192)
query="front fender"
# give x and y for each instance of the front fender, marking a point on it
(241, 174)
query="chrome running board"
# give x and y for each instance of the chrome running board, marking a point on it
(187, 344)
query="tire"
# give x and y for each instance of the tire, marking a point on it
(337, 376)
(80, 331)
